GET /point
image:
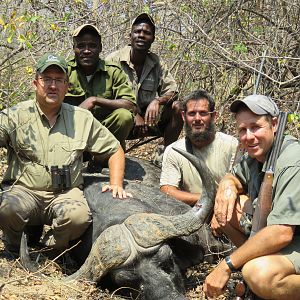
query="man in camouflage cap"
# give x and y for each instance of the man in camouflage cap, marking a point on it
(45, 139)
(270, 259)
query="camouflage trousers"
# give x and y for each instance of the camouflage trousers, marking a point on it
(66, 212)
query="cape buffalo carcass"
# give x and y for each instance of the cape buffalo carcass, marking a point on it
(143, 242)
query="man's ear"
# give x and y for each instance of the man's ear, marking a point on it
(183, 115)
(274, 123)
(214, 115)
(35, 83)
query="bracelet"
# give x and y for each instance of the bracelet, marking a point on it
(229, 264)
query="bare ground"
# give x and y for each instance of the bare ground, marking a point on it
(48, 284)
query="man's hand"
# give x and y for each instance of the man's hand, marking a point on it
(88, 103)
(116, 164)
(152, 113)
(215, 227)
(215, 282)
(117, 191)
(140, 128)
(227, 194)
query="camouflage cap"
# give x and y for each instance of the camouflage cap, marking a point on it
(258, 104)
(50, 59)
(143, 17)
(86, 26)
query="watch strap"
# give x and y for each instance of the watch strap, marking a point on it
(229, 264)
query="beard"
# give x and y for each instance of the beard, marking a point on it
(199, 137)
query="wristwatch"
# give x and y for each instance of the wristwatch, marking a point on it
(229, 264)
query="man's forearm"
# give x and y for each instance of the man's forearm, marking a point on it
(186, 197)
(116, 165)
(263, 243)
(165, 99)
(115, 103)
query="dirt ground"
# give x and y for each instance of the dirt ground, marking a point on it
(48, 284)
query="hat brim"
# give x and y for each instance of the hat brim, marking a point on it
(91, 27)
(42, 69)
(234, 107)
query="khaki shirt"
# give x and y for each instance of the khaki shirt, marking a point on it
(156, 80)
(109, 82)
(179, 172)
(33, 146)
(286, 187)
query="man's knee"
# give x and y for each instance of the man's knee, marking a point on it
(74, 221)
(119, 123)
(11, 213)
(80, 218)
(264, 275)
(120, 117)
(12, 225)
(124, 116)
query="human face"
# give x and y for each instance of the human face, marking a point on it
(142, 36)
(51, 87)
(199, 121)
(87, 48)
(256, 133)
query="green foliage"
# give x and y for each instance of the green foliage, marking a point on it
(293, 117)
(240, 48)
(171, 46)
(208, 43)
(146, 9)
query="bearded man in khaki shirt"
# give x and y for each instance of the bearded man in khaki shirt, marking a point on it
(45, 140)
(179, 178)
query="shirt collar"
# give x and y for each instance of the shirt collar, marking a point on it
(42, 113)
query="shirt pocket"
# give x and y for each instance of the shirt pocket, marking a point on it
(147, 93)
(69, 152)
(28, 145)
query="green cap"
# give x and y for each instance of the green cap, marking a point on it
(50, 59)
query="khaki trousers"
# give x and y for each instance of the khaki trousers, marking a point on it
(66, 212)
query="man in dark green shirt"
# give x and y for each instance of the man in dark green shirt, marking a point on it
(100, 86)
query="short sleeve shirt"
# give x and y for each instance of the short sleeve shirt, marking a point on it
(33, 146)
(179, 172)
(286, 183)
(156, 80)
(109, 81)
